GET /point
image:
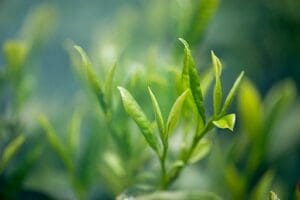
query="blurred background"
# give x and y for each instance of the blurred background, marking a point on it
(260, 37)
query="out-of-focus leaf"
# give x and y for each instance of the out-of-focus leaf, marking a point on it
(55, 142)
(178, 195)
(15, 53)
(250, 109)
(74, 131)
(158, 115)
(201, 150)
(278, 99)
(136, 113)
(262, 187)
(226, 121)
(203, 13)
(235, 182)
(194, 81)
(114, 163)
(175, 112)
(273, 196)
(109, 84)
(92, 79)
(218, 86)
(10, 151)
(232, 93)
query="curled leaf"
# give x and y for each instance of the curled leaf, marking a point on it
(226, 121)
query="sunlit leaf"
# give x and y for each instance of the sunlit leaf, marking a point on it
(9, 152)
(158, 115)
(92, 79)
(175, 112)
(232, 93)
(201, 150)
(136, 113)
(226, 121)
(218, 86)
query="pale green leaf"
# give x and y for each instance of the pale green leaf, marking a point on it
(232, 93)
(158, 115)
(273, 196)
(9, 152)
(175, 112)
(201, 150)
(226, 121)
(136, 113)
(92, 79)
(218, 86)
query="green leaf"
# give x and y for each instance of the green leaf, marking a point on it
(136, 113)
(92, 79)
(194, 81)
(55, 142)
(232, 93)
(226, 121)
(109, 84)
(185, 78)
(10, 151)
(218, 86)
(250, 109)
(74, 131)
(175, 112)
(201, 150)
(158, 115)
(273, 196)
(263, 186)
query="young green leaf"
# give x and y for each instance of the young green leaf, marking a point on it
(226, 121)
(194, 81)
(92, 79)
(55, 142)
(261, 189)
(10, 151)
(232, 93)
(158, 115)
(175, 112)
(136, 113)
(218, 86)
(185, 80)
(109, 84)
(201, 150)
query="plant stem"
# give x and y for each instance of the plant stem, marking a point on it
(197, 137)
